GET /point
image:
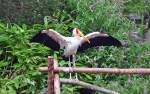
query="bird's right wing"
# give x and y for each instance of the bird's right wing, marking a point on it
(50, 38)
(98, 39)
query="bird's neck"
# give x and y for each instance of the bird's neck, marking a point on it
(78, 37)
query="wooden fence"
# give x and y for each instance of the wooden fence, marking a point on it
(54, 80)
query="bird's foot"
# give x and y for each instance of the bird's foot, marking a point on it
(70, 76)
(76, 76)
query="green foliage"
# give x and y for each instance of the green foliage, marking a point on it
(28, 11)
(137, 6)
(95, 16)
(19, 59)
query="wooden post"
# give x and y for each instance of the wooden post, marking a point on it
(50, 75)
(56, 79)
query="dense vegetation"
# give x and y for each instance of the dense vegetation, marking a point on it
(19, 58)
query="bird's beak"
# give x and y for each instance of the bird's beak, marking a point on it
(82, 35)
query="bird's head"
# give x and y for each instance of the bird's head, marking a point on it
(77, 32)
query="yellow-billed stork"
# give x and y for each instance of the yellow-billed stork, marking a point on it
(78, 42)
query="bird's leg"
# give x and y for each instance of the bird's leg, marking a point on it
(70, 77)
(74, 65)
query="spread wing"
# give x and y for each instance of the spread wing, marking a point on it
(98, 39)
(50, 38)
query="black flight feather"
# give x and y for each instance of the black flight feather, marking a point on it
(100, 41)
(46, 40)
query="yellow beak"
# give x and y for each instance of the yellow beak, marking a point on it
(82, 35)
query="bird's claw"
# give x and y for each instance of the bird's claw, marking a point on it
(76, 76)
(70, 76)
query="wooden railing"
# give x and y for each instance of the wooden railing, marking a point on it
(54, 80)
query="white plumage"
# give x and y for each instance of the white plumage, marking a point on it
(78, 42)
(72, 46)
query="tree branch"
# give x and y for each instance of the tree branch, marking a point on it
(87, 85)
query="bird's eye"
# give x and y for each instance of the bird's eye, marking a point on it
(77, 30)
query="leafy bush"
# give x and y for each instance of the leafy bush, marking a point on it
(137, 6)
(28, 11)
(19, 60)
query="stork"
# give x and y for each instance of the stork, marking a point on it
(77, 43)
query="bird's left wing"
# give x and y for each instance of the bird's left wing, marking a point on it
(98, 39)
(50, 38)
